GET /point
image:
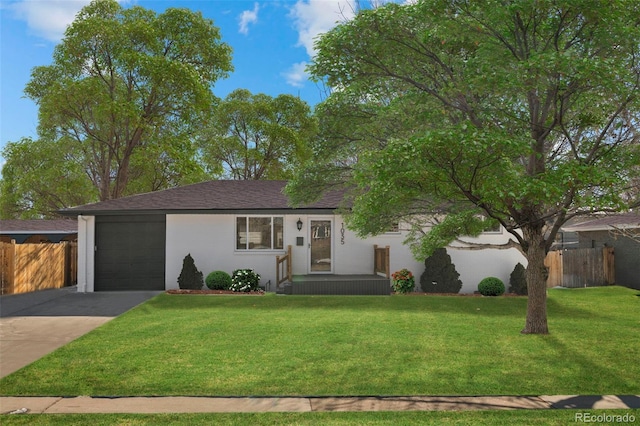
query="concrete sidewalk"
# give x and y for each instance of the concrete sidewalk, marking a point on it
(182, 404)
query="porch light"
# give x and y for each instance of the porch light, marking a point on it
(299, 224)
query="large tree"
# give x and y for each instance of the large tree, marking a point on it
(125, 80)
(43, 176)
(521, 112)
(257, 136)
(40, 177)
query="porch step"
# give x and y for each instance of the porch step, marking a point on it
(339, 285)
(285, 289)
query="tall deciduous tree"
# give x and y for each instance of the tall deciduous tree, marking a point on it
(43, 176)
(257, 136)
(522, 112)
(123, 80)
(40, 177)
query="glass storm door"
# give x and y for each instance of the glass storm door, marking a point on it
(321, 256)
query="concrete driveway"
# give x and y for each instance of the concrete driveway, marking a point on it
(34, 324)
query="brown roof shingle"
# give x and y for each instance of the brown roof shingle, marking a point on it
(217, 195)
(609, 222)
(38, 226)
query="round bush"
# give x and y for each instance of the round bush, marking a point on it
(403, 281)
(491, 286)
(244, 280)
(218, 280)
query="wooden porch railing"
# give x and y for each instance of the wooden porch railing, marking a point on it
(381, 260)
(283, 267)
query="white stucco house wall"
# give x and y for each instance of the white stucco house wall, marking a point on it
(139, 242)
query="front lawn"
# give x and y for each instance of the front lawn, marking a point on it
(360, 345)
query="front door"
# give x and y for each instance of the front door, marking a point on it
(321, 248)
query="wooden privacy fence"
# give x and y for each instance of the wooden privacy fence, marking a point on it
(30, 267)
(381, 261)
(581, 267)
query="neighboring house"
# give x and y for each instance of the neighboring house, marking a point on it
(622, 232)
(139, 242)
(38, 231)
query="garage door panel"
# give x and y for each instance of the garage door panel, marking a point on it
(130, 252)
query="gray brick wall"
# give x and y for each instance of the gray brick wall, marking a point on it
(627, 254)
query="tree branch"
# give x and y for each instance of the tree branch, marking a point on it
(469, 245)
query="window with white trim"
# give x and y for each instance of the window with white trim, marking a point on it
(393, 229)
(495, 227)
(259, 232)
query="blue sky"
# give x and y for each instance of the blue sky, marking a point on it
(272, 42)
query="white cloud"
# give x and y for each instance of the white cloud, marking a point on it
(248, 17)
(48, 18)
(296, 75)
(314, 17)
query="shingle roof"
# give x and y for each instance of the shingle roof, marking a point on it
(56, 226)
(607, 223)
(217, 195)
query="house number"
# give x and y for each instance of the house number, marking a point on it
(342, 234)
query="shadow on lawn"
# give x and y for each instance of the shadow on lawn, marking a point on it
(589, 369)
(477, 306)
(559, 309)
(586, 402)
(502, 306)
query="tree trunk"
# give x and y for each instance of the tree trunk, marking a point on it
(536, 275)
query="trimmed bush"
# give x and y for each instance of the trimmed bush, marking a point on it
(244, 280)
(491, 286)
(403, 281)
(440, 275)
(190, 278)
(218, 280)
(518, 281)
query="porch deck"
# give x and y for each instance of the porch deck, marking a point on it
(329, 284)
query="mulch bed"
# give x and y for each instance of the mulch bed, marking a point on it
(216, 292)
(419, 293)
(261, 293)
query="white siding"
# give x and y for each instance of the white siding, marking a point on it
(211, 241)
(474, 265)
(86, 251)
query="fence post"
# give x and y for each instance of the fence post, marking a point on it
(553, 261)
(609, 265)
(7, 264)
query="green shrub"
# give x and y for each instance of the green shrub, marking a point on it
(440, 275)
(190, 278)
(218, 280)
(244, 280)
(403, 281)
(491, 286)
(518, 280)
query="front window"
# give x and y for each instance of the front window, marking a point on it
(259, 233)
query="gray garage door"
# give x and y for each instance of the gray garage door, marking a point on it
(130, 252)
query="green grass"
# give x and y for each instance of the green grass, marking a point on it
(507, 418)
(328, 345)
